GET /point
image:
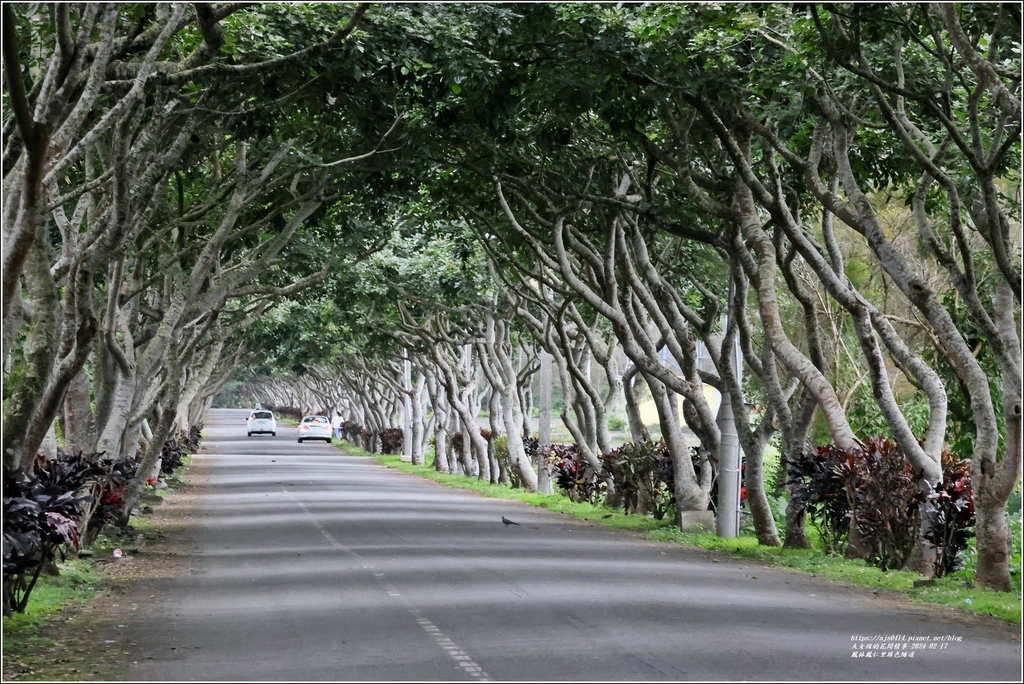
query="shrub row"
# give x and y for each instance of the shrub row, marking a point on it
(391, 439)
(284, 411)
(62, 505)
(177, 448)
(573, 474)
(872, 485)
(351, 431)
(869, 502)
(40, 521)
(642, 475)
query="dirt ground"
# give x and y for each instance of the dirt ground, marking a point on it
(83, 643)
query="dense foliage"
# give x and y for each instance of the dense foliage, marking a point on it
(573, 474)
(40, 514)
(643, 476)
(391, 441)
(817, 489)
(872, 489)
(883, 494)
(954, 519)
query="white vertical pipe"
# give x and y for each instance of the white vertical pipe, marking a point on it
(544, 431)
(729, 455)
(407, 408)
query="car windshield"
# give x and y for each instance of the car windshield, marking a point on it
(262, 415)
(315, 419)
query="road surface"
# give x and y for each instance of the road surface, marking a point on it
(313, 565)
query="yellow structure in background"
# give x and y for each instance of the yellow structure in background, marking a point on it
(649, 412)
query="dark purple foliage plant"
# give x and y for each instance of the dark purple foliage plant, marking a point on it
(643, 477)
(391, 441)
(952, 505)
(573, 474)
(817, 487)
(884, 498)
(40, 514)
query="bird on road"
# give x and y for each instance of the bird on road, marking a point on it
(507, 522)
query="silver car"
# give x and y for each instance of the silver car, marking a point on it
(261, 422)
(315, 427)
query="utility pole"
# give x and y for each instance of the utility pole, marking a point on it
(544, 431)
(407, 407)
(729, 455)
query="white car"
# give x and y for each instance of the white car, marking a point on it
(261, 422)
(316, 427)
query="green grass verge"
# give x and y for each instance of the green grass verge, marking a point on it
(954, 591)
(31, 649)
(75, 585)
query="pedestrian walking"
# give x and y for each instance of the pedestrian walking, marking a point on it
(337, 424)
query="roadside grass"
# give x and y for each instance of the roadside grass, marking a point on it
(551, 502)
(41, 644)
(955, 590)
(75, 585)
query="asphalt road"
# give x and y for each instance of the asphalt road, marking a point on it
(313, 565)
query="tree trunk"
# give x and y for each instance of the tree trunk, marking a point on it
(633, 391)
(753, 441)
(195, 384)
(799, 365)
(441, 424)
(79, 425)
(757, 499)
(133, 493)
(994, 480)
(498, 472)
(690, 496)
(516, 450)
(40, 351)
(112, 432)
(458, 457)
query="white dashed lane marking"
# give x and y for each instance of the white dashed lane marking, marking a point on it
(461, 658)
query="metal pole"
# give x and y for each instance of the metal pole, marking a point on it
(729, 455)
(544, 432)
(407, 408)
